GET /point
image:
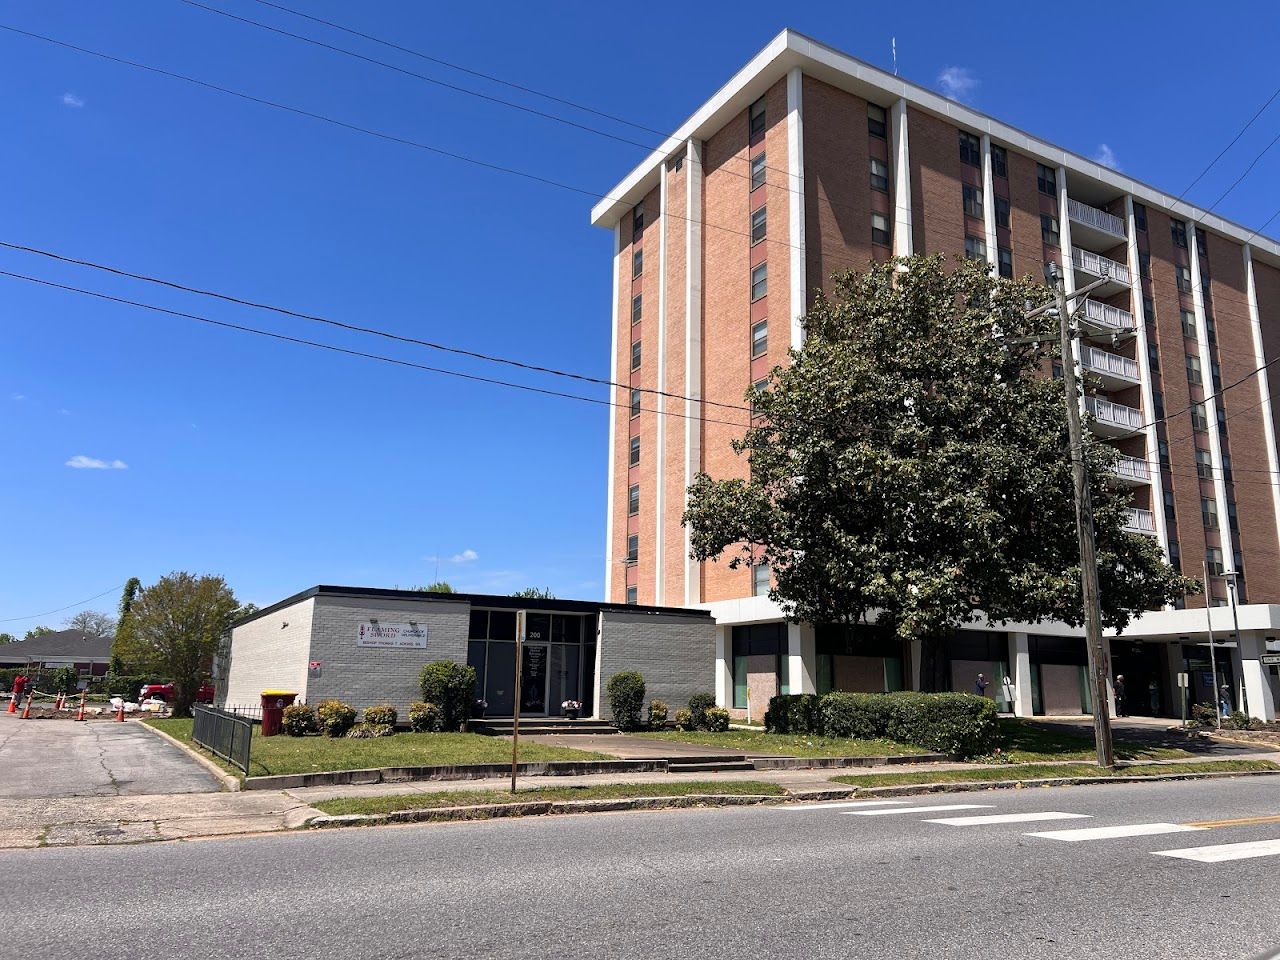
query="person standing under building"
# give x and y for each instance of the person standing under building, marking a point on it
(1224, 698)
(980, 686)
(1118, 687)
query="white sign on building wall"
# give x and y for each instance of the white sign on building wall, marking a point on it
(397, 636)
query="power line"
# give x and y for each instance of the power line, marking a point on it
(37, 616)
(1240, 133)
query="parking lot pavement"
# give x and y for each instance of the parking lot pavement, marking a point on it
(98, 758)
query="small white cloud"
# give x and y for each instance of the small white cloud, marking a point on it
(19, 397)
(466, 556)
(81, 462)
(71, 100)
(958, 82)
(1106, 156)
(65, 412)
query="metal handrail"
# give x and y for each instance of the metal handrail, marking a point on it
(1143, 521)
(1106, 315)
(1134, 468)
(1104, 361)
(1112, 412)
(1100, 219)
(1099, 265)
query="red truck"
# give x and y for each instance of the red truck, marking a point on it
(164, 691)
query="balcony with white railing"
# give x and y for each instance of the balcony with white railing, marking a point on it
(1090, 266)
(1132, 470)
(1115, 371)
(1093, 227)
(1112, 419)
(1137, 520)
(1105, 315)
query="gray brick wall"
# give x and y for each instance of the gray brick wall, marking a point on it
(269, 653)
(675, 654)
(363, 676)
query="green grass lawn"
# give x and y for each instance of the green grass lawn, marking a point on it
(1023, 741)
(611, 791)
(1037, 771)
(278, 755)
(787, 744)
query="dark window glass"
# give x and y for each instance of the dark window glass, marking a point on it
(1170, 513)
(880, 229)
(1179, 230)
(757, 117)
(1153, 356)
(637, 305)
(759, 225)
(1046, 180)
(877, 121)
(970, 149)
(633, 548)
(999, 162)
(635, 452)
(1175, 556)
(760, 339)
(637, 222)
(879, 175)
(1157, 400)
(1149, 309)
(1140, 217)
(633, 499)
(1183, 275)
(759, 282)
(637, 263)
(1202, 248)
(635, 403)
(757, 170)
(1163, 447)
(477, 652)
(1144, 265)
(502, 625)
(1002, 212)
(631, 595)
(975, 249)
(635, 355)
(1049, 230)
(973, 202)
(1006, 262)
(478, 629)
(1233, 521)
(757, 388)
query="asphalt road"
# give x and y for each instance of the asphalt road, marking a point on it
(708, 884)
(98, 758)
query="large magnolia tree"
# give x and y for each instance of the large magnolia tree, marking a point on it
(910, 461)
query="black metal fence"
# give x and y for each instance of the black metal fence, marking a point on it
(224, 734)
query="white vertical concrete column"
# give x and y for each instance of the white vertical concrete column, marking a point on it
(1211, 407)
(1256, 682)
(660, 401)
(902, 245)
(692, 352)
(618, 395)
(1020, 661)
(801, 658)
(989, 202)
(598, 712)
(795, 181)
(1264, 389)
(1152, 441)
(724, 673)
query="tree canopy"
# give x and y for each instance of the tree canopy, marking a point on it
(440, 586)
(39, 631)
(910, 461)
(92, 622)
(535, 593)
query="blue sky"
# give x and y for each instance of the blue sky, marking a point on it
(280, 466)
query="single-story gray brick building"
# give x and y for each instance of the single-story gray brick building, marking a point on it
(368, 645)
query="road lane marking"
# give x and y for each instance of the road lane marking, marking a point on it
(841, 804)
(1007, 818)
(948, 806)
(1241, 822)
(1109, 833)
(1225, 851)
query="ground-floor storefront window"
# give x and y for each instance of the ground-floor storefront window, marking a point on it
(557, 665)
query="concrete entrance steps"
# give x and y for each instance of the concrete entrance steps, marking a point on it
(534, 726)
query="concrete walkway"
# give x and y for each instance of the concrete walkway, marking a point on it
(97, 758)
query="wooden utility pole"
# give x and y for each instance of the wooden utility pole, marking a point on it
(1099, 681)
(515, 722)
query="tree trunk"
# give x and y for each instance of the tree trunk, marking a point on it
(184, 694)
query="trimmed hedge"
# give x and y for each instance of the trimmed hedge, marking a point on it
(715, 720)
(451, 687)
(380, 715)
(957, 724)
(335, 717)
(425, 718)
(299, 720)
(626, 698)
(657, 714)
(794, 713)
(699, 704)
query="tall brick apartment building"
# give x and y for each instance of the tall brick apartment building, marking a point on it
(808, 162)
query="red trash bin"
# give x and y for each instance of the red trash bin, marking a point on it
(273, 704)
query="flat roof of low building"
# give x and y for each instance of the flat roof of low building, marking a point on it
(474, 599)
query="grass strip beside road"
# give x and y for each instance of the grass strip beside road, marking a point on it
(1041, 771)
(1027, 741)
(611, 791)
(269, 756)
(786, 744)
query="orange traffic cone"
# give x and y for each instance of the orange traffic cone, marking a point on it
(26, 711)
(13, 703)
(120, 712)
(80, 716)
(57, 703)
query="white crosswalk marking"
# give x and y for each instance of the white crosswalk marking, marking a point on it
(1008, 818)
(1225, 851)
(841, 804)
(1108, 833)
(948, 806)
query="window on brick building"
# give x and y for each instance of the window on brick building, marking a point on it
(1163, 454)
(1226, 468)
(879, 175)
(880, 229)
(1210, 327)
(634, 457)
(1046, 180)
(759, 225)
(1233, 520)
(1216, 372)
(877, 121)
(1213, 559)
(974, 248)
(1179, 230)
(760, 339)
(1006, 261)
(1153, 357)
(757, 388)
(633, 499)
(633, 548)
(1202, 246)
(1183, 275)
(757, 117)
(635, 403)
(1194, 374)
(999, 162)
(637, 305)
(1002, 212)
(1170, 513)
(1175, 555)
(1204, 464)
(1209, 513)
(635, 355)
(1055, 370)
(1157, 403)
(760, 580)
(1188, 320)
(1049, 230)
(1199, 417)
(1149, 309)
(637, 221)
(970, 149)
(631, 596)
(1140, 217)
(757, 170)
(1144, 265)
(1237, 559)
(637, 263)
(973, 202)
(759, 281)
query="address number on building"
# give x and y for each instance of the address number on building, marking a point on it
(1270, 659)
(394, 636)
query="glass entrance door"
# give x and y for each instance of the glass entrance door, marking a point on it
(533, 679)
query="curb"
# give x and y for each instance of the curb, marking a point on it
(905, 790)
(822, 763)
(229, 783)
(467, 771)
